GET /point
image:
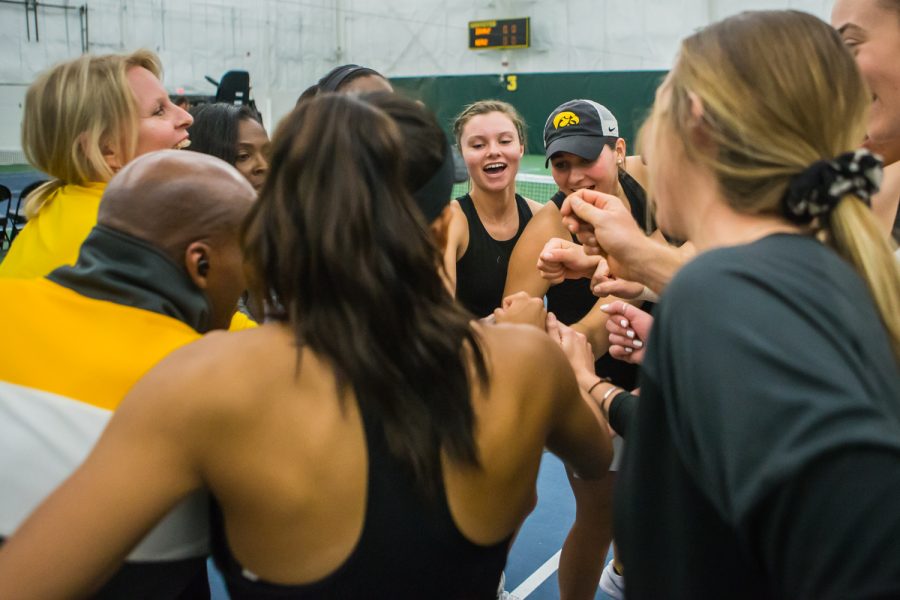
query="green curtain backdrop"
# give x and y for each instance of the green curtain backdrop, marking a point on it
(628, 94)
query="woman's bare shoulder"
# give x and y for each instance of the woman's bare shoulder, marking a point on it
(520, 352)
(219, 348)
(457, 231)
(218, 369)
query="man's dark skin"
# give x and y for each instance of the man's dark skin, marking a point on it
(190, 206)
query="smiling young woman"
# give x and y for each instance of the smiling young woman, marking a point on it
(490, 218)
(584, 151)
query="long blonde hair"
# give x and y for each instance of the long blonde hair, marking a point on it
(809, 103)
(74, 110)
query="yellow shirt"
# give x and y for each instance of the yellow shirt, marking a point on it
(85, 350)
(240, 321)
(66, 362)
(52, 239)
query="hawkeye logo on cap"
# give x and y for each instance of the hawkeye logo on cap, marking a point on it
(564, 119)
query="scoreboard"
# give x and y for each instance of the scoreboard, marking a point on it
(500, 34)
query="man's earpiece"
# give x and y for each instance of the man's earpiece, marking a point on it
(203, 267)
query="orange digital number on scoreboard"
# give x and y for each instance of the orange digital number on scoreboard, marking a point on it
(500, 34)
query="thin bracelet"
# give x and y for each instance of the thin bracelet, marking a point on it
(599, 381)
(610, 391)
(606, 395)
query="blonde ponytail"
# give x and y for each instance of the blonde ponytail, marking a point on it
(855, 235)
(791, 150)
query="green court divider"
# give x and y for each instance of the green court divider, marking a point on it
(628, 94)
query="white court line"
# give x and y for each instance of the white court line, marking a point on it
(538, 577)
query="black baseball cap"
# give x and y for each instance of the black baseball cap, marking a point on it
(581, 127)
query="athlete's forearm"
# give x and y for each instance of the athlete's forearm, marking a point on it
(654, 264)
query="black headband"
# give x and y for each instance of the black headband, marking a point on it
(332, 81)
(434, 195)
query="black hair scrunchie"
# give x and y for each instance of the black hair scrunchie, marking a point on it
(818, 189)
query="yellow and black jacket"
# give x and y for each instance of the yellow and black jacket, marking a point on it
(73, 344)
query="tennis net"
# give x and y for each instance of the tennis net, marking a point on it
(539, 188)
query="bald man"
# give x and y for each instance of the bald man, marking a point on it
(161, 267)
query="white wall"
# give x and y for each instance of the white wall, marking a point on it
(11, 99)
(288, 44)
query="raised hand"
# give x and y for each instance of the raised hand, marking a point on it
(520, 308)
(605, 283)
(563, 259)
(601, 223)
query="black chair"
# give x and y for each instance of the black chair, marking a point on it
(5, 202)
(234, 88)
(15, 216)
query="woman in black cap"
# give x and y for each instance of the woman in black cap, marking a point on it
(584, 150)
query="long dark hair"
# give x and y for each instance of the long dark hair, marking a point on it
(337, 243)
(215, 128)
(424, 143)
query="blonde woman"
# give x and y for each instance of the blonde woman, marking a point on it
(764, 459)
(84, 120)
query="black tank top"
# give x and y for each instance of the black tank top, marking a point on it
(572, 299)
(409, 547)
(481, 272)
(637, 198)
